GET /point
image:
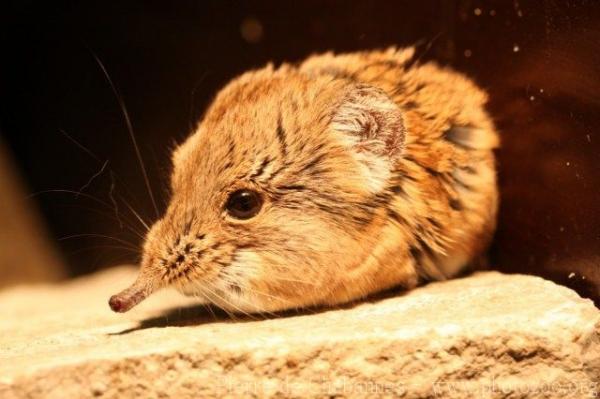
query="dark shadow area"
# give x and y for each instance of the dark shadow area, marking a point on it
(195, 315)
(182, 317)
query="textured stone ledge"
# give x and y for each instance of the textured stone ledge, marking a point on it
(485, 336)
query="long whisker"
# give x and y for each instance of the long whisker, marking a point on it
(201, 295)
(255, 291)
(91, 179)
(130, 131)
(87, 248)
(124, 242)
(229, 303)
(267, 312)
(111, 196)
(229, 279)
(208, 307)
(135, 213)
(81, 146)
(96, 199)
(207, 295)
(89, 196)
(129, 227)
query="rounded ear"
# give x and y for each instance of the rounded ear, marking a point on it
(371, 122)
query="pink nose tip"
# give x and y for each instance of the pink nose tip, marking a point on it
(129, 297)
(117, 304)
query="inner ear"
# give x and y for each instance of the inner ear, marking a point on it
(371, 122)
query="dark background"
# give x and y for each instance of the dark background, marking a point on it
(539, 59)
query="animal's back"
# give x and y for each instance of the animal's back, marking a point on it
(446, 181)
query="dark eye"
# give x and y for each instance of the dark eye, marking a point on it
(243, 204)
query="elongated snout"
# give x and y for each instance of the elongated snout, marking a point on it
(131, 296)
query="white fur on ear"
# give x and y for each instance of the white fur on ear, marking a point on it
(371, 125)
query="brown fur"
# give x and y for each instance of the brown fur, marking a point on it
(375, 172)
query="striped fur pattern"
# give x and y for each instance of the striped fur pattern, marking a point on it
(376, 171)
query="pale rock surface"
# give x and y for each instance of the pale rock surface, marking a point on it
(484, 336)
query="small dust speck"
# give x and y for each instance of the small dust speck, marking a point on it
(251, 30)
(589, 138)
(568, 163)
(468, 53)
(541, 90)
(531, 98)
(562, 229)
(517, 8)
(571, 275)
(492, 13)
(477, 11)
(516, 48)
